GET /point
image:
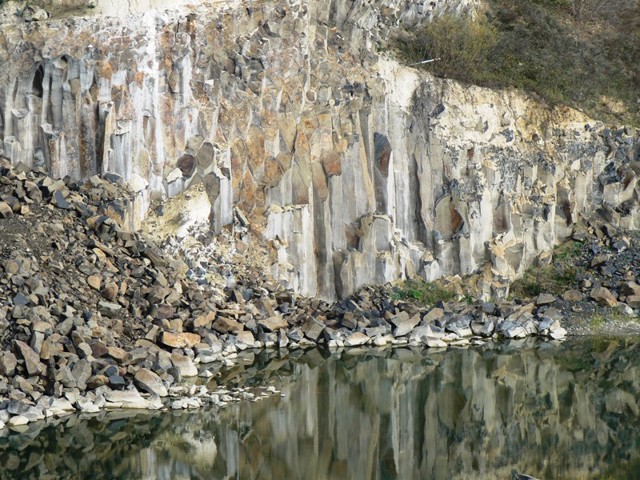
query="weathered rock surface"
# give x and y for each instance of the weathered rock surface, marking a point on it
(150, 382)
(365, 172)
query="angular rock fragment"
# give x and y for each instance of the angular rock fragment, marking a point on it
(356, 339)
(31, 358)
(148, 381)
(180, 340)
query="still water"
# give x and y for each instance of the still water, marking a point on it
(566, 411)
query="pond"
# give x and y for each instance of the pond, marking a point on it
(563, 411)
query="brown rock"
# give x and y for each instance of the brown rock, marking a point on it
(227, 325)
(331, 163)
(99, 349)
(599, 260)
(5, 210)
(604, 297)
(204, 321)
(94, 281)
(187, 164)
(633, 301)
(629, 288)
(246, 338)
(180, 340)
(572, 296)
(273, 323)
(184, 365)
(165, 311)
(110, 291)
(117, 353)
(404, 323)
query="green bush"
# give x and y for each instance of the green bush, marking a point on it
(539, 46)
(426, 293)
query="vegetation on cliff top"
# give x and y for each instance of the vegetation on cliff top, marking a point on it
(582, 53)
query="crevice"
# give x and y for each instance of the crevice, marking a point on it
(37, 87)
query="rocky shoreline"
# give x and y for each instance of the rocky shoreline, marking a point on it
(94, 317)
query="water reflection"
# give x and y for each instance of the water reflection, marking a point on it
(568, 411)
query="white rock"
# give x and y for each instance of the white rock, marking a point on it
(18, 420)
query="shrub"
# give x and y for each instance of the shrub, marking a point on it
(426, 293)
(538, 45)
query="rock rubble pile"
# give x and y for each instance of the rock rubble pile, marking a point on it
(94, 317)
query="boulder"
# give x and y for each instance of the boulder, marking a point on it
(545, 299)
(356, 339)
(31, 358)
(604, 297)
(180, 340)
(148, 381)
(227, 325)
(572, 296)
(8, 363)
(273, 323)
(403, 323)
(312, 329)
(184, 365)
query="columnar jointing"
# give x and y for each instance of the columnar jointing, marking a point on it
(358, 169)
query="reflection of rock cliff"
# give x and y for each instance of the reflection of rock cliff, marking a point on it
(358, 169)
(463, 414)
(567, 411)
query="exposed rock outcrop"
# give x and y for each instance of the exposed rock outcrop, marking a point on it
(359, 170)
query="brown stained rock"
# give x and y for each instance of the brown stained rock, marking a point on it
(117, 353)
(11, 267)
(180, 340)
(227, 325)
(319, 179)
(5, 210)
(273, 323)
(332, 163)
(245, 338)
(94, 281)
(629, 289)
(604, 297)
(204, 321)
(572, 296)
(187, 165)
(51, 346)
(110, 291)
(31, 358)
(633, 301)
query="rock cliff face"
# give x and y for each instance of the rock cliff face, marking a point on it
(359, 170)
